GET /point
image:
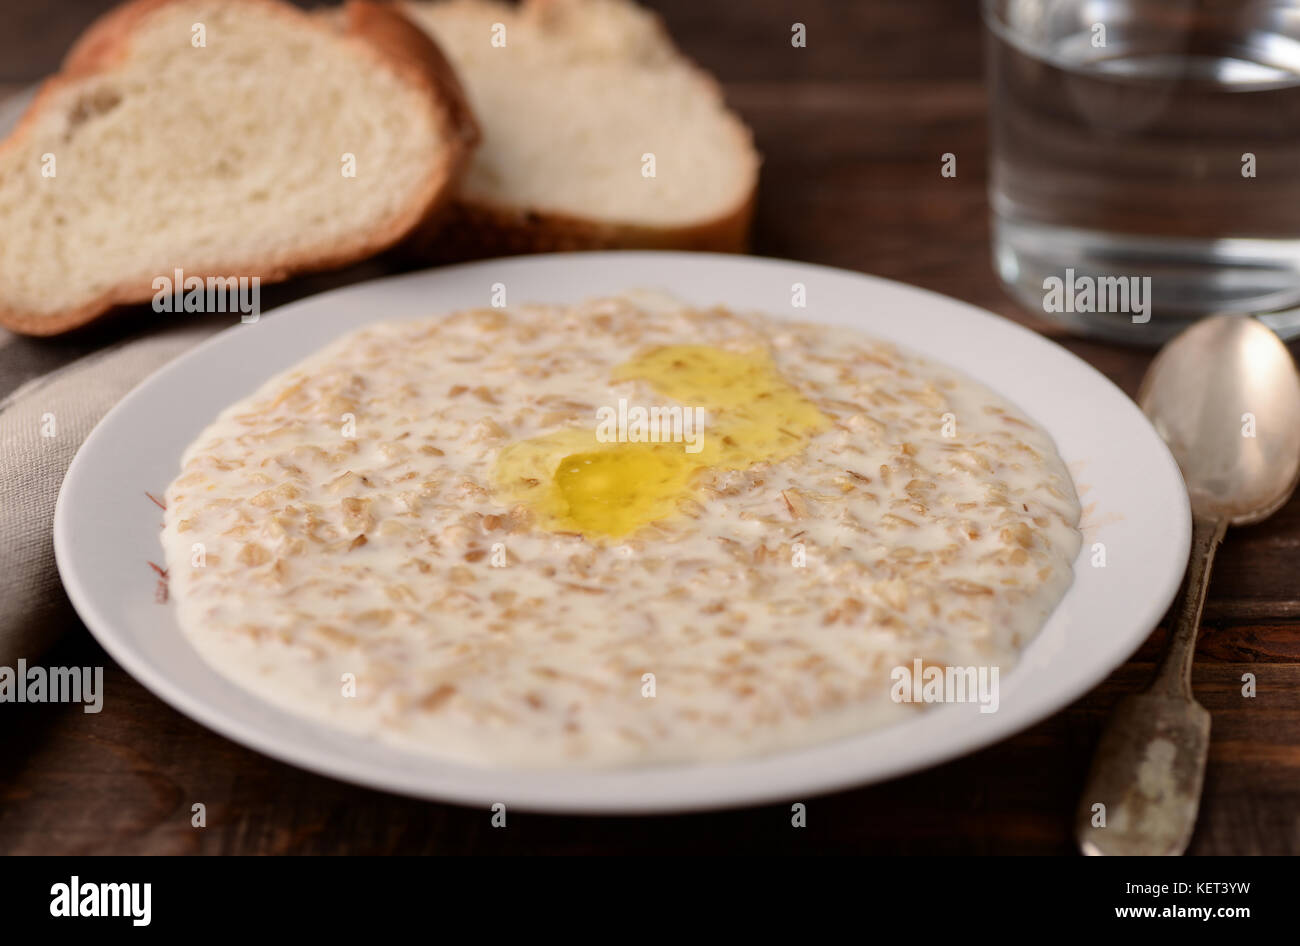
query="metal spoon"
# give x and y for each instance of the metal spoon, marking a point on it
(1225, 396)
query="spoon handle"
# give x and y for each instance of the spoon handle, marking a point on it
(1145, 785)
(1174, 678)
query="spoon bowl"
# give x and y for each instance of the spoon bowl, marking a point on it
(1225, 397)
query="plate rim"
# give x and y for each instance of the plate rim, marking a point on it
(565, 799)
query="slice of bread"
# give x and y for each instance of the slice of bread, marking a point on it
(572, 95)
(214, 137)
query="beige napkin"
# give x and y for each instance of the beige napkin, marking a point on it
(67, 403)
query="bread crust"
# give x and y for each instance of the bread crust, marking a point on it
(394, 40)
(471, 228)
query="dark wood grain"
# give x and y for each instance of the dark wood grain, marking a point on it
(852, 129)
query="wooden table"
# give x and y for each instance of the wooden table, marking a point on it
(852, 129)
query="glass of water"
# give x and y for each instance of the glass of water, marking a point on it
(1145, 160)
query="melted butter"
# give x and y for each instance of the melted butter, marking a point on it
(574, 482)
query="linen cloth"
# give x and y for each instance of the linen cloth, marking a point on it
(66, 403)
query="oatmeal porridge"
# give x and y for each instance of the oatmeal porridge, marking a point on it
(619, 533)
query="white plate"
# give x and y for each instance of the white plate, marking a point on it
(106, 529)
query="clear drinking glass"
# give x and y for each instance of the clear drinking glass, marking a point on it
(1146, 145)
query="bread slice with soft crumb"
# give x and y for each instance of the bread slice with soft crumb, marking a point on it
(597, 132)
(222, 138)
